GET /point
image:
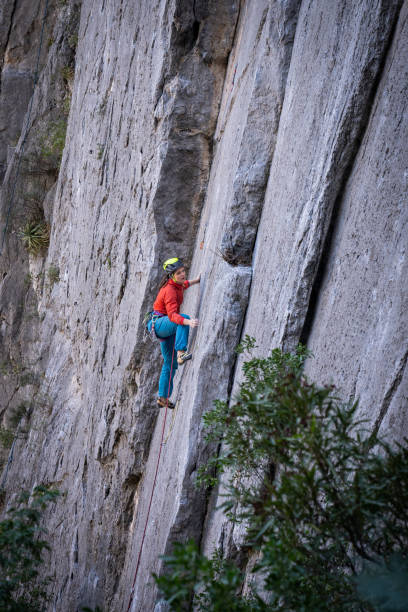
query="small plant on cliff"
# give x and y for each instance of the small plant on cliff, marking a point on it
(53, 142)
(21, 553)
(68, 72)
(35, 236)
(6, 437)
(66, 105)
(322, 499)
(101, 149)
(73, 41)
(53, 275)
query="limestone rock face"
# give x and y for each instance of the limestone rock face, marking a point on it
(265, 144)
(20, 34)
(362, 301)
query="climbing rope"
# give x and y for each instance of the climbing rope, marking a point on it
(154, 484)
(25, 131)
(173, 420)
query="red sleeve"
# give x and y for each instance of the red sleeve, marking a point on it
(170, 301)
(186, 284)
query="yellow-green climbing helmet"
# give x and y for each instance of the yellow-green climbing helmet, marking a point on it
(173, 264)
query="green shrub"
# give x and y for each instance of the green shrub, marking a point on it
(21, 553)
(212, 583)
(35, 236)
(321, 498)
(67, 73)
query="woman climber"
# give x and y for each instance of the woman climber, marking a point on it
(171, 327)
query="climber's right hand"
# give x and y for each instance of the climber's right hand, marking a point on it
(192, 322)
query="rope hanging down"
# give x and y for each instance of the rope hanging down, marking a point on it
(25, 131)
(154, 485)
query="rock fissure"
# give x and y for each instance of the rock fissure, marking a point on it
(5, 45)
(391, 392)
(325, 249)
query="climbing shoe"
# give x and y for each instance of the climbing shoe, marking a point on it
(162, 402)
(183, 356)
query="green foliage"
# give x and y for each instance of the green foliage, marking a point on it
(10, 367)
(6, 437)
(21, 550)
(21, 411)
(319, 495)
(67, 73)
(7, 434)
(35, 236)
(247, 345)
(66, 105)
(53, 275)
(212, 582)
(108, 261)
(255, 426)
(101, 149)
(53, 142)
(28, 378)
(73, 41)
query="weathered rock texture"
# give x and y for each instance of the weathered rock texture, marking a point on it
(265, 143)
(20, 33)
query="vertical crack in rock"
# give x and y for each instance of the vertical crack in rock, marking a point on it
(317, 214)
(323, 252)
(259, 136)
(3, 50)
(185, 112)
(241, 217)
(271, 304)
(391, 392)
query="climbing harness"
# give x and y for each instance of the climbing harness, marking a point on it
(153, 488)
(153, 316)
(26, 130)
(156, 315)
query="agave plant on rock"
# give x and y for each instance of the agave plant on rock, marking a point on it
(35, 236)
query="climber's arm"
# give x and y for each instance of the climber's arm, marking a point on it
(194, 281)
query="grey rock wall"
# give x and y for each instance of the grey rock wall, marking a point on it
(362, 302)
(27, 192)
(20, 33)
(265, 143)
(327, 118)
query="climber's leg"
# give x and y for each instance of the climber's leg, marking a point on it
(182, 335)
(169, 356)
(165, 328)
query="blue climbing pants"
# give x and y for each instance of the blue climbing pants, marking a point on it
(174, 337)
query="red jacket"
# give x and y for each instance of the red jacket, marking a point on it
(169, 300)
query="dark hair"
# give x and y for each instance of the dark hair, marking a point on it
(164, 281)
